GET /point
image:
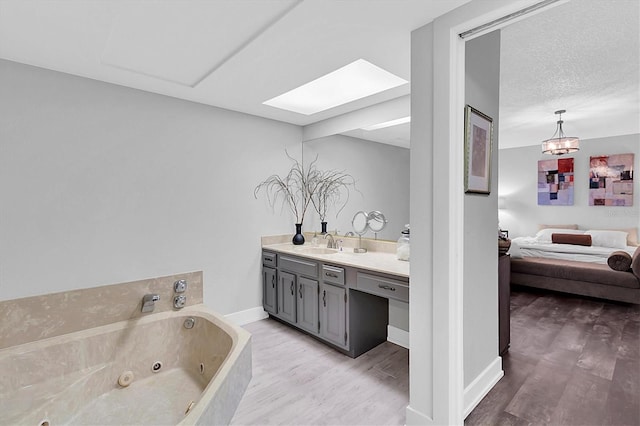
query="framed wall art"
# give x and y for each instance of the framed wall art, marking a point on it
(478, 136)
(555, 182)
(611, 180)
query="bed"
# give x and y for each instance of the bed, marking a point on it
(577, 267)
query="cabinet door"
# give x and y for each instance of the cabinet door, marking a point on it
(287, 296)
(269, 301)
(308, 304)
(333, 308)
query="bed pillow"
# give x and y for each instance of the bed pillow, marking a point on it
(574, 239)
(544, 235)
(619, 261)
(541, 227)
(612, 239)
(632, 236)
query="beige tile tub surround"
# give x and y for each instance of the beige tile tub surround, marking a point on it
(39, 317)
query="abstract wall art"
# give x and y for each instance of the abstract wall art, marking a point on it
(555, 182)
(611, 180)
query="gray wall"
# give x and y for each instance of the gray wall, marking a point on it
(482, 88)
(102, 184)
(518, 187)
(382, 178)
(423, 356)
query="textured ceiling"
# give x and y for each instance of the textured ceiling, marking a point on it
(582, 56)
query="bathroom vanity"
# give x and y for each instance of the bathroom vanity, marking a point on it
(338, 297)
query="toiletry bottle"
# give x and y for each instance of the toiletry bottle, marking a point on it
(403, 247)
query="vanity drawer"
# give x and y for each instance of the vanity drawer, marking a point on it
(382, 286)
(333, 274)
(269, 259)
(299, 266)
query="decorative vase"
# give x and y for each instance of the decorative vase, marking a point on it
(324, 227)
(298, 239)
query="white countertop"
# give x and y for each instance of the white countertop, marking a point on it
(382, 262)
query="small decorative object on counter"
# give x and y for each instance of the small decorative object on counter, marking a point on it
(324, 227)
(403, 249)
(298, 238)
(314, 240)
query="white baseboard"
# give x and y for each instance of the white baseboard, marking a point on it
(398, 336)
(481, 385)
(414, 417)
(247, 316)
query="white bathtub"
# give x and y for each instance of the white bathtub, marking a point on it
(201, 374)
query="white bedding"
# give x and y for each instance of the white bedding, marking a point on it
(532, 247)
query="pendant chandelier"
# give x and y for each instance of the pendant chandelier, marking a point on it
(560, 144)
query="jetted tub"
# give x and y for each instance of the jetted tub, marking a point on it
(150, 370)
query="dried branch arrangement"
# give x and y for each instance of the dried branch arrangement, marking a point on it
(301, 187)
(332, 190)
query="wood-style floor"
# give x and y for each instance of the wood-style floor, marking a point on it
(300, 381)
(572, 361)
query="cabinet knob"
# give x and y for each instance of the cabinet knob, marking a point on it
(324, 298)
(300, 291)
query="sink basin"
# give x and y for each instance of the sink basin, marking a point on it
(318, 250)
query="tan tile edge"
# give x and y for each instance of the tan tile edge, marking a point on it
(38, 317)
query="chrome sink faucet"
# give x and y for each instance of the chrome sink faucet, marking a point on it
(332, 243)
(149, 302)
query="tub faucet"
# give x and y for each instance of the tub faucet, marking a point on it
(332, 243)
(149, 302)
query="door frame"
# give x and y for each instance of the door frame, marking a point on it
(444, 403)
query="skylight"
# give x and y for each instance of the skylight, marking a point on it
(354, 81)
(389, 123)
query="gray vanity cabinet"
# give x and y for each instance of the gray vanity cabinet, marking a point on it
(287, 296)
(343, 306)
(333, 314)
(308, 304)
(269, 299)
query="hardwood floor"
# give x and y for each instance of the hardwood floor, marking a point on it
(572, 361)
(300, 381)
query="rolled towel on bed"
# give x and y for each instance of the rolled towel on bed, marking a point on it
(575, 239)
(619, 261)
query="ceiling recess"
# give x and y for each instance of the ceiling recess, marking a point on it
(152, 41)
